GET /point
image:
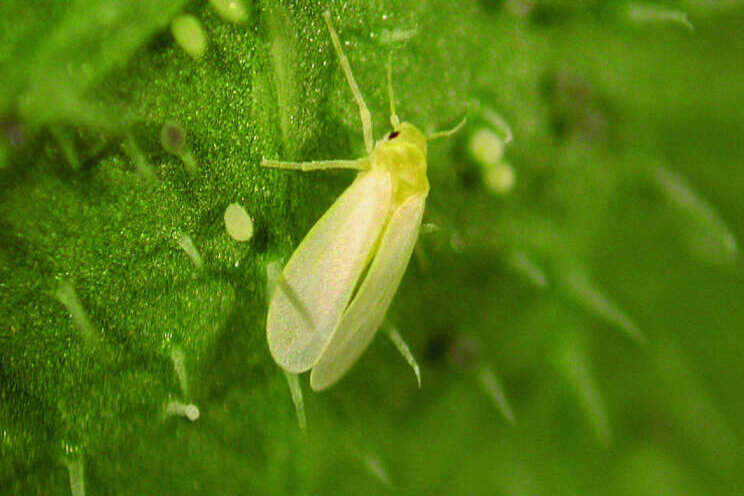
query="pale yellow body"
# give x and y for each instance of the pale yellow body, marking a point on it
(402, 154)
(373, 226)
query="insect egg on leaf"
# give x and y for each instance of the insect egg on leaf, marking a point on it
(173, 140)
(238, 223)
(190, 35)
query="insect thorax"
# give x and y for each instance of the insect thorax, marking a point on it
(402, 153)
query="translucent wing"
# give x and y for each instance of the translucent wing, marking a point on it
(366, 312)
(319, 279)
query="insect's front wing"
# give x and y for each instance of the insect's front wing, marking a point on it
(319, 279)
(367, 311)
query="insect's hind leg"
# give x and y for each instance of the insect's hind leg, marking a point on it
(359, 164)
(363, 110)
(404, 350)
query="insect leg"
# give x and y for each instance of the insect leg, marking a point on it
(282, 285)
(359, 164)
(404, 350)
(295, 389)
(363, 110)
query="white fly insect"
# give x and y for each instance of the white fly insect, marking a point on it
(326, 308)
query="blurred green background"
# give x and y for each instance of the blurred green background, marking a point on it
(578, 333)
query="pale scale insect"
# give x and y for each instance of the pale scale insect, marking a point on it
(231, 10)
(500, 177)
(486, 147)
(324, 314)
(238, 223)
(190, 35)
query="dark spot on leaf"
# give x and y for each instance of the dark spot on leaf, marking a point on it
(437, 348)
(173, 137)
(463, 352)
(12, 132)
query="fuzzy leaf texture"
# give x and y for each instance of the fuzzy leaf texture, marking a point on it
(573, 301)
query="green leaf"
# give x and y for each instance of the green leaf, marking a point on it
(107, 314)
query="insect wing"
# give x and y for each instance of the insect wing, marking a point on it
(319, 279)
(366, 312)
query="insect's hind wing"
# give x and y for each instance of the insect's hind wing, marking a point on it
(367, 311)
(320, 277)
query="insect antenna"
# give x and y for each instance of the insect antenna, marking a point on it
(449, 132)
(394, 121)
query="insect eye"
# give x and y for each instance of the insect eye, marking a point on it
(393, 135)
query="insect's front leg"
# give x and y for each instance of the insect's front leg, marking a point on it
(358, 164)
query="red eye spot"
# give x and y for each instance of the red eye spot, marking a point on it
(393, 135)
